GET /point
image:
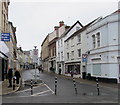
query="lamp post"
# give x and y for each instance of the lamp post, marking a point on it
(35, 61)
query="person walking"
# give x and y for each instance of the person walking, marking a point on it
(71, 72)
(17, 75)
(10, 75)
(59, 71)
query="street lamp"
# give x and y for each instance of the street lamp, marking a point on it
(35, 61)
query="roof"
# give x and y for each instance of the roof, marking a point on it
(53, 41)
(69, 28)
(44, 40)
(82, 29)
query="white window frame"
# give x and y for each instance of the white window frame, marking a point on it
(94, 41)
(79, 38)
(72, 54)
(98, 39)
(72, 41)
(61, 42)
(68, 55)
(79, 53)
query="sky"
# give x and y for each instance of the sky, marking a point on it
(34, 19)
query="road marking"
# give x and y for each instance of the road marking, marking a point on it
(49, 88)
(40, 93)
(29, 88)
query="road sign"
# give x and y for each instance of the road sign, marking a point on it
(35, 55)
(84, 57)
(5, 37)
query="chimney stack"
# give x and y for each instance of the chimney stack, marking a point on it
(61, 23)
(56, 27)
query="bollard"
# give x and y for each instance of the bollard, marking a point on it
(31, 87)
(55, 85)
(13, 83)
(75, 85)
(97, 86)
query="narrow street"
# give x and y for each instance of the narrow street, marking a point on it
(44, 91)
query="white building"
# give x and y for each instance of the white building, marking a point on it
(102, 45)
(75, 47)
(60, 46)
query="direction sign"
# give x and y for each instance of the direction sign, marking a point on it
(5, 37)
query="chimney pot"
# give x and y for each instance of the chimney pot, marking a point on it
(61, 23)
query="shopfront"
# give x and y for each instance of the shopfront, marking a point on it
(4, 52)
(73, 68)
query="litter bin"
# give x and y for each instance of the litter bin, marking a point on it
(84, 75)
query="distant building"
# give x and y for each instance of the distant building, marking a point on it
(45, 53)
(60, 46)
(12, 45)
(58, 32)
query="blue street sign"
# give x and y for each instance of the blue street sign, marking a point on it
(5, 37)
(84, 59)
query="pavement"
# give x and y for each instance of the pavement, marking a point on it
(5, 90)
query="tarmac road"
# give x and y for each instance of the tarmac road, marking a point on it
(44, 92)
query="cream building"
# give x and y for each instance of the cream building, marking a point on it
(4, 50)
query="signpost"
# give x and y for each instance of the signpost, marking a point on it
(84, 57)
(5, 37)
(35, 59)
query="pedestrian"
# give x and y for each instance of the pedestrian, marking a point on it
(39, 68)
(17, 75)
(59, 71)
(10, 75)
(42, 69)
(71, 73)
(51, 68)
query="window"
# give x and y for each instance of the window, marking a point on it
(93, 38)
(97, 69)
(54, 51)
(79, 52)
(58, 43)
(62, 55)
(61, 42)
(72, 41)
(67, 56)
(72, 53)
(77, 28)
(79, 38)
(98, 39)
(51, 53)
(58, 56)
(67, 44)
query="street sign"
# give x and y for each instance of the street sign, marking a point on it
(5, 37)
(84, 57)
(35, 55)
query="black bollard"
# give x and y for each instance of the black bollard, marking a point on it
(13, 83)
(97, 86)
(75, 85)
(55, 85)
(31, 87)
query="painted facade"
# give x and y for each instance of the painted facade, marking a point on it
(102, 45)
(60, 47)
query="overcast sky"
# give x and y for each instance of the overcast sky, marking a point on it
(34, 20)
